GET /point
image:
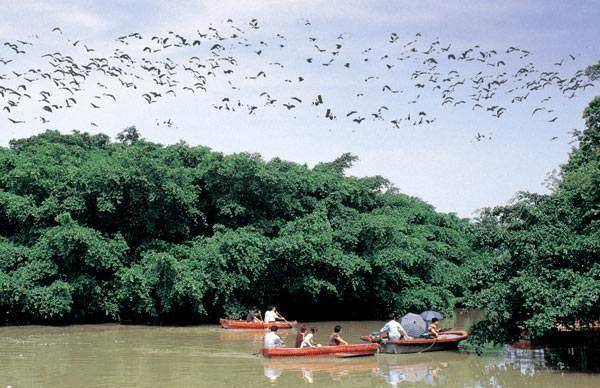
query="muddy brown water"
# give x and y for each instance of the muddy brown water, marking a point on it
(111, 355)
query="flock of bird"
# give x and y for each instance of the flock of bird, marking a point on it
(231, 65)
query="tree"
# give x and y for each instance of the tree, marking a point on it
(93, 230)
(129, 135)
(541, 262)
(593, 72)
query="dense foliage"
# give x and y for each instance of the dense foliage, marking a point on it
(95, 230)
(540, 267)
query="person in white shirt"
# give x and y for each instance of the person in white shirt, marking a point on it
(394, 330)
(272, 315)
(307, 341)
(272, 340)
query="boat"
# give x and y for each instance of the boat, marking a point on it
(448, 340)
(356, 350)
(240, 324)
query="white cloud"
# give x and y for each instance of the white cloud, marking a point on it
(25, 17)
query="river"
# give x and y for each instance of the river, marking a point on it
(111, 355)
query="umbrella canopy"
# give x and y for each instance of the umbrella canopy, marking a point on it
(428, 315)
(414, 325)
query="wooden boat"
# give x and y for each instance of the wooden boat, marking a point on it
(356, 350)
(447, 340)
(240, 324)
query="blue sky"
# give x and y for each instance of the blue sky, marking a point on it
(441, 163)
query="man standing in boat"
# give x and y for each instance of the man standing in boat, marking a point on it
(394, 329)
(272, 340)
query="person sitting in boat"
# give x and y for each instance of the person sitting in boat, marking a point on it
(253, 315)
(335, 339)
(308, 339)
(433, 331)
(273, 316)
(300, 336)
(394, 330)
(272, 340)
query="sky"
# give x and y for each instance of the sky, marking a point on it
(442, 163)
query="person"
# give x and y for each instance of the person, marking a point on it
(272, 340)
(394, 329)
(433, 330)
(307, 342)
(272, 315)
(253, 315)
(300, 336)
(335, 339)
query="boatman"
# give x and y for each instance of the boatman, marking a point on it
(272, 340)
(433, 331)
(253, 315)
(272, 315)
(394, 329)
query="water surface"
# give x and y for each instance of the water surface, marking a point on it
(111, 355)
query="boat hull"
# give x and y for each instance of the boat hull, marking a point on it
(448, 341)
(357, 350)
(239, 324)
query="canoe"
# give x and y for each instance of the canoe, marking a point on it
(356, 350)
(447, 340)
(239, 324)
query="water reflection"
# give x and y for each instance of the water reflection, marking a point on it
(528, 361)
(307, 368)
(272, 373)
(428, 373)
(508, 367)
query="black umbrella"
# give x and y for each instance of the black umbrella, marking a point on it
(414, 325)
(429, 315)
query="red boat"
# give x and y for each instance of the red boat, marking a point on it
(357, 350)
(240, 324)
(448, 340)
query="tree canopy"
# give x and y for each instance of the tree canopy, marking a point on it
(96, 230)
(540, 264)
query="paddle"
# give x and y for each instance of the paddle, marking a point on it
(292, 326)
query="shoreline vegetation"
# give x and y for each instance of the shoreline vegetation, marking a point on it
(94, 230)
